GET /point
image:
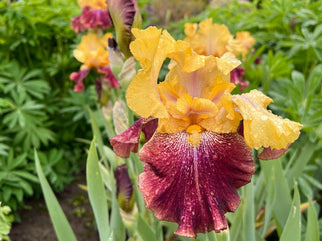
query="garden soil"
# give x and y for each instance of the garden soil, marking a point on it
(35, 222)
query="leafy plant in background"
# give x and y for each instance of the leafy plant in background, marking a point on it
(5, 222)
(37, 35)
(301, 98)
(15, 179)
(36, 106)
(23, 111)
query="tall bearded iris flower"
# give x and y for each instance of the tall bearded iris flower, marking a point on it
(94, 15)
(92, 52)
(196, 160)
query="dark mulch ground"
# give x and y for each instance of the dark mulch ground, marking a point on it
(36, 225)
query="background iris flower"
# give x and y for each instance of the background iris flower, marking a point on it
(94, 15)
(215, 39)
(207, 38)
(196, 159)
(92, 52)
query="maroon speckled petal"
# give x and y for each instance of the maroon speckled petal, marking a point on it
(77, 25)
(269, 154)
(128, 141)
(194, 186)
(108, 76)
(95, 18)
(149, 128)
(91, 18)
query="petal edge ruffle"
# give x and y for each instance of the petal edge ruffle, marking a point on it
(194, 186)
(128, 141)
(261, 127)
(150, 48)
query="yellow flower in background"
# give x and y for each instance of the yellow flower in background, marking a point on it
(207, 38)
(246, 40)
(97, 4)
(92, 51)
(196, 159)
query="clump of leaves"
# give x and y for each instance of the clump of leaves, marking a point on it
(5, 222)
(38, 36)
(301, 98)
(15, 179)
(23, 112)
(56, 168)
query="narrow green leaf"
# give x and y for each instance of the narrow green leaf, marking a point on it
(144, 230)
(278, 193)
(300, 163)
(249, 213)
(96, 193)
(222, 236)
(312, 226)
(116, 221)
(62, 228)
(111, 157)
(292, 229)
(259, 237)
(97, 134)
(107, 177)
(236, 222)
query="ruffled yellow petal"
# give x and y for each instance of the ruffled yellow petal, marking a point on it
(261, 127)
(172, 125)
(242, 44)
(246, 39)
(215, 91)
(220, 123)
(190, 29)
(196, 73)
(202, 108)
(92, 50)
(186, 58)
(195, 92)
(183, 104)
(227, 119)
(210, 39)
(236, 47)
(227, 63)
(194, 88)
(185, 112)
(150, 48)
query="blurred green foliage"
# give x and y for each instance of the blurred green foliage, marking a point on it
(5, 222)
(38, 108)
